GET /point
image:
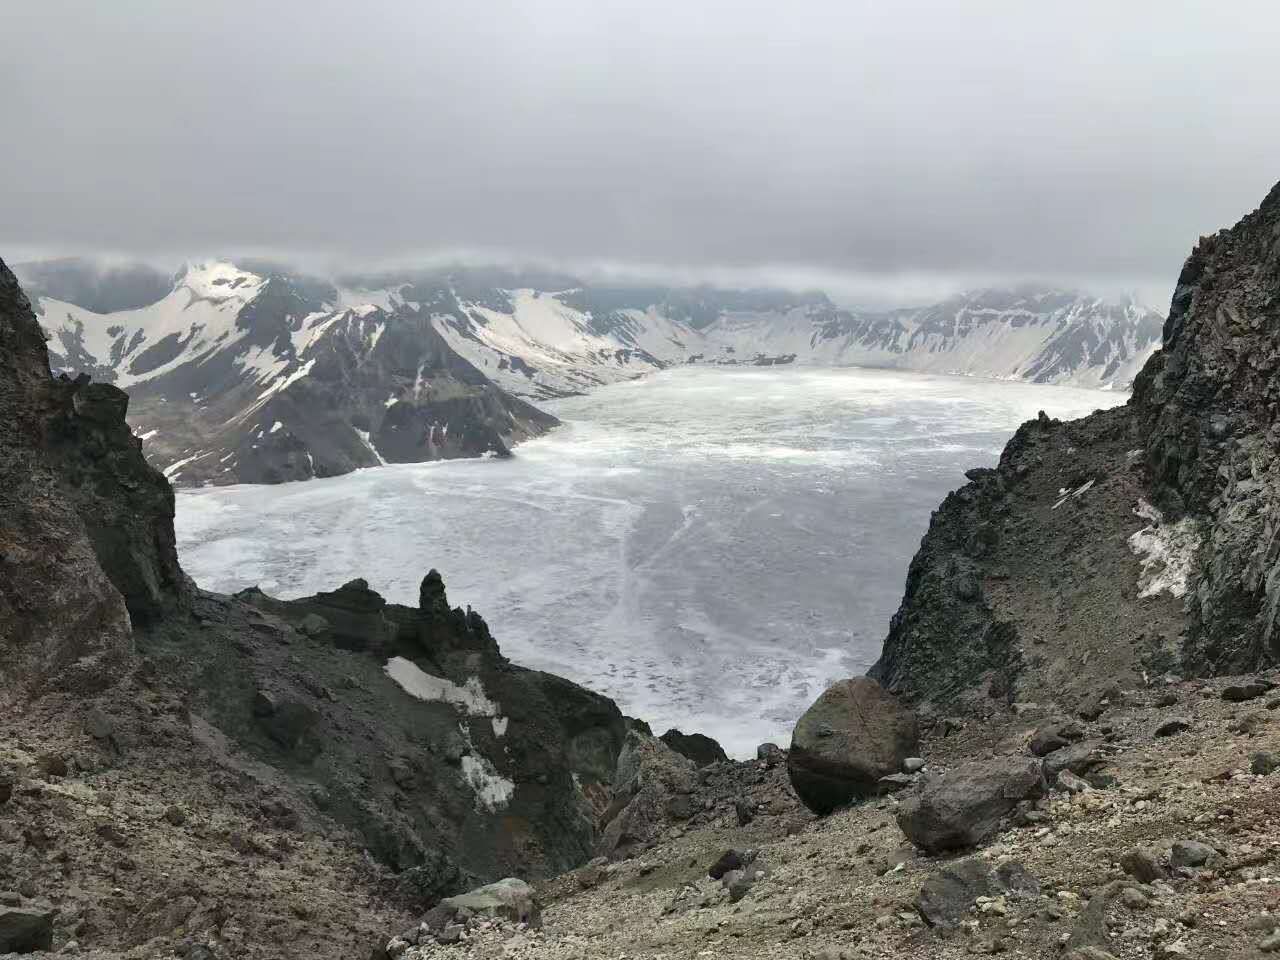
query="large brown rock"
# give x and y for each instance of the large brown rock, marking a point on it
(854, 734)
(964, 807)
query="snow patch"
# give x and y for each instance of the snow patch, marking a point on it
(172, 469)
(280, 385)
(1166, 552)
(470, 697)
(364, 436)
(493, 791)
(1078, 492)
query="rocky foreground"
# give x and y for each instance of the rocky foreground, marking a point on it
(1153, 833)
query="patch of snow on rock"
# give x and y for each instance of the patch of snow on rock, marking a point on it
(1166, 551)
(493, 791)
(418, 683)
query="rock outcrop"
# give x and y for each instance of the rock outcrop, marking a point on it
(1207, 408)
(1068, 566)
(653, 787)
(86, 526)
(453, 764)
(853, 735)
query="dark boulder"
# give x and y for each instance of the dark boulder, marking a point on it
(1079, 758)
(25, 931)
(1248, 690)
(947, 896)
(964, 807)
(770, 754)
(701, 749)
(854, 735)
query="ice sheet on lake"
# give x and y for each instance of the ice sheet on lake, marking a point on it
(710, 547)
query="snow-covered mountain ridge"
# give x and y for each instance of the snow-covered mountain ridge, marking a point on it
(246, 372)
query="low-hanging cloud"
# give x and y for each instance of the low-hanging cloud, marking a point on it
(885, 148)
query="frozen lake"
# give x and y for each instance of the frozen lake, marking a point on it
(709, 547)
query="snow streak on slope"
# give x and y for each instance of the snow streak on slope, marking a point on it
(542, 347)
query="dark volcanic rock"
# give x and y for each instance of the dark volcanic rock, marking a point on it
(854, 735)
(699, 748)
(1249, 690)
(25, 931)
(965, 807)
(445, 758)
(946, 897)
(63, 621)
(1192, 464)
(1206, 405)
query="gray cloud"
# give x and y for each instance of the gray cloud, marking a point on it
(883, 150)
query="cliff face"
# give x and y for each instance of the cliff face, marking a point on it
(1208, 405)
(86, 526)
(1134, 541)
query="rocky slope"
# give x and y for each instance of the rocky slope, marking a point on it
(161, 743)
(251, 373)
(1165, 848)
(1129, 543)
(1086, 637)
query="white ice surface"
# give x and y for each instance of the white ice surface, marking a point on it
(710, 547)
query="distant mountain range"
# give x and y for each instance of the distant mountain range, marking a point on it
(249, 372)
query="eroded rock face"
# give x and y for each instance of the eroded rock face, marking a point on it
(63, 622)
(650, 782)
(452, 764)
(1174, 498)
(854, 735)
(1207, 404)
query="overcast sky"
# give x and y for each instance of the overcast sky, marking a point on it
(885, 150)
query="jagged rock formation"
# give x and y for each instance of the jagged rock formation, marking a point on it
(1207, 404)
(1070, 564)
(406, 724)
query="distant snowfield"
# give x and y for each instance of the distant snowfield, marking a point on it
(710, 547)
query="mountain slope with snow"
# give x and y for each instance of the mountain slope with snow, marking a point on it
(237, 376)
(249, 373)
(1023, 334)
